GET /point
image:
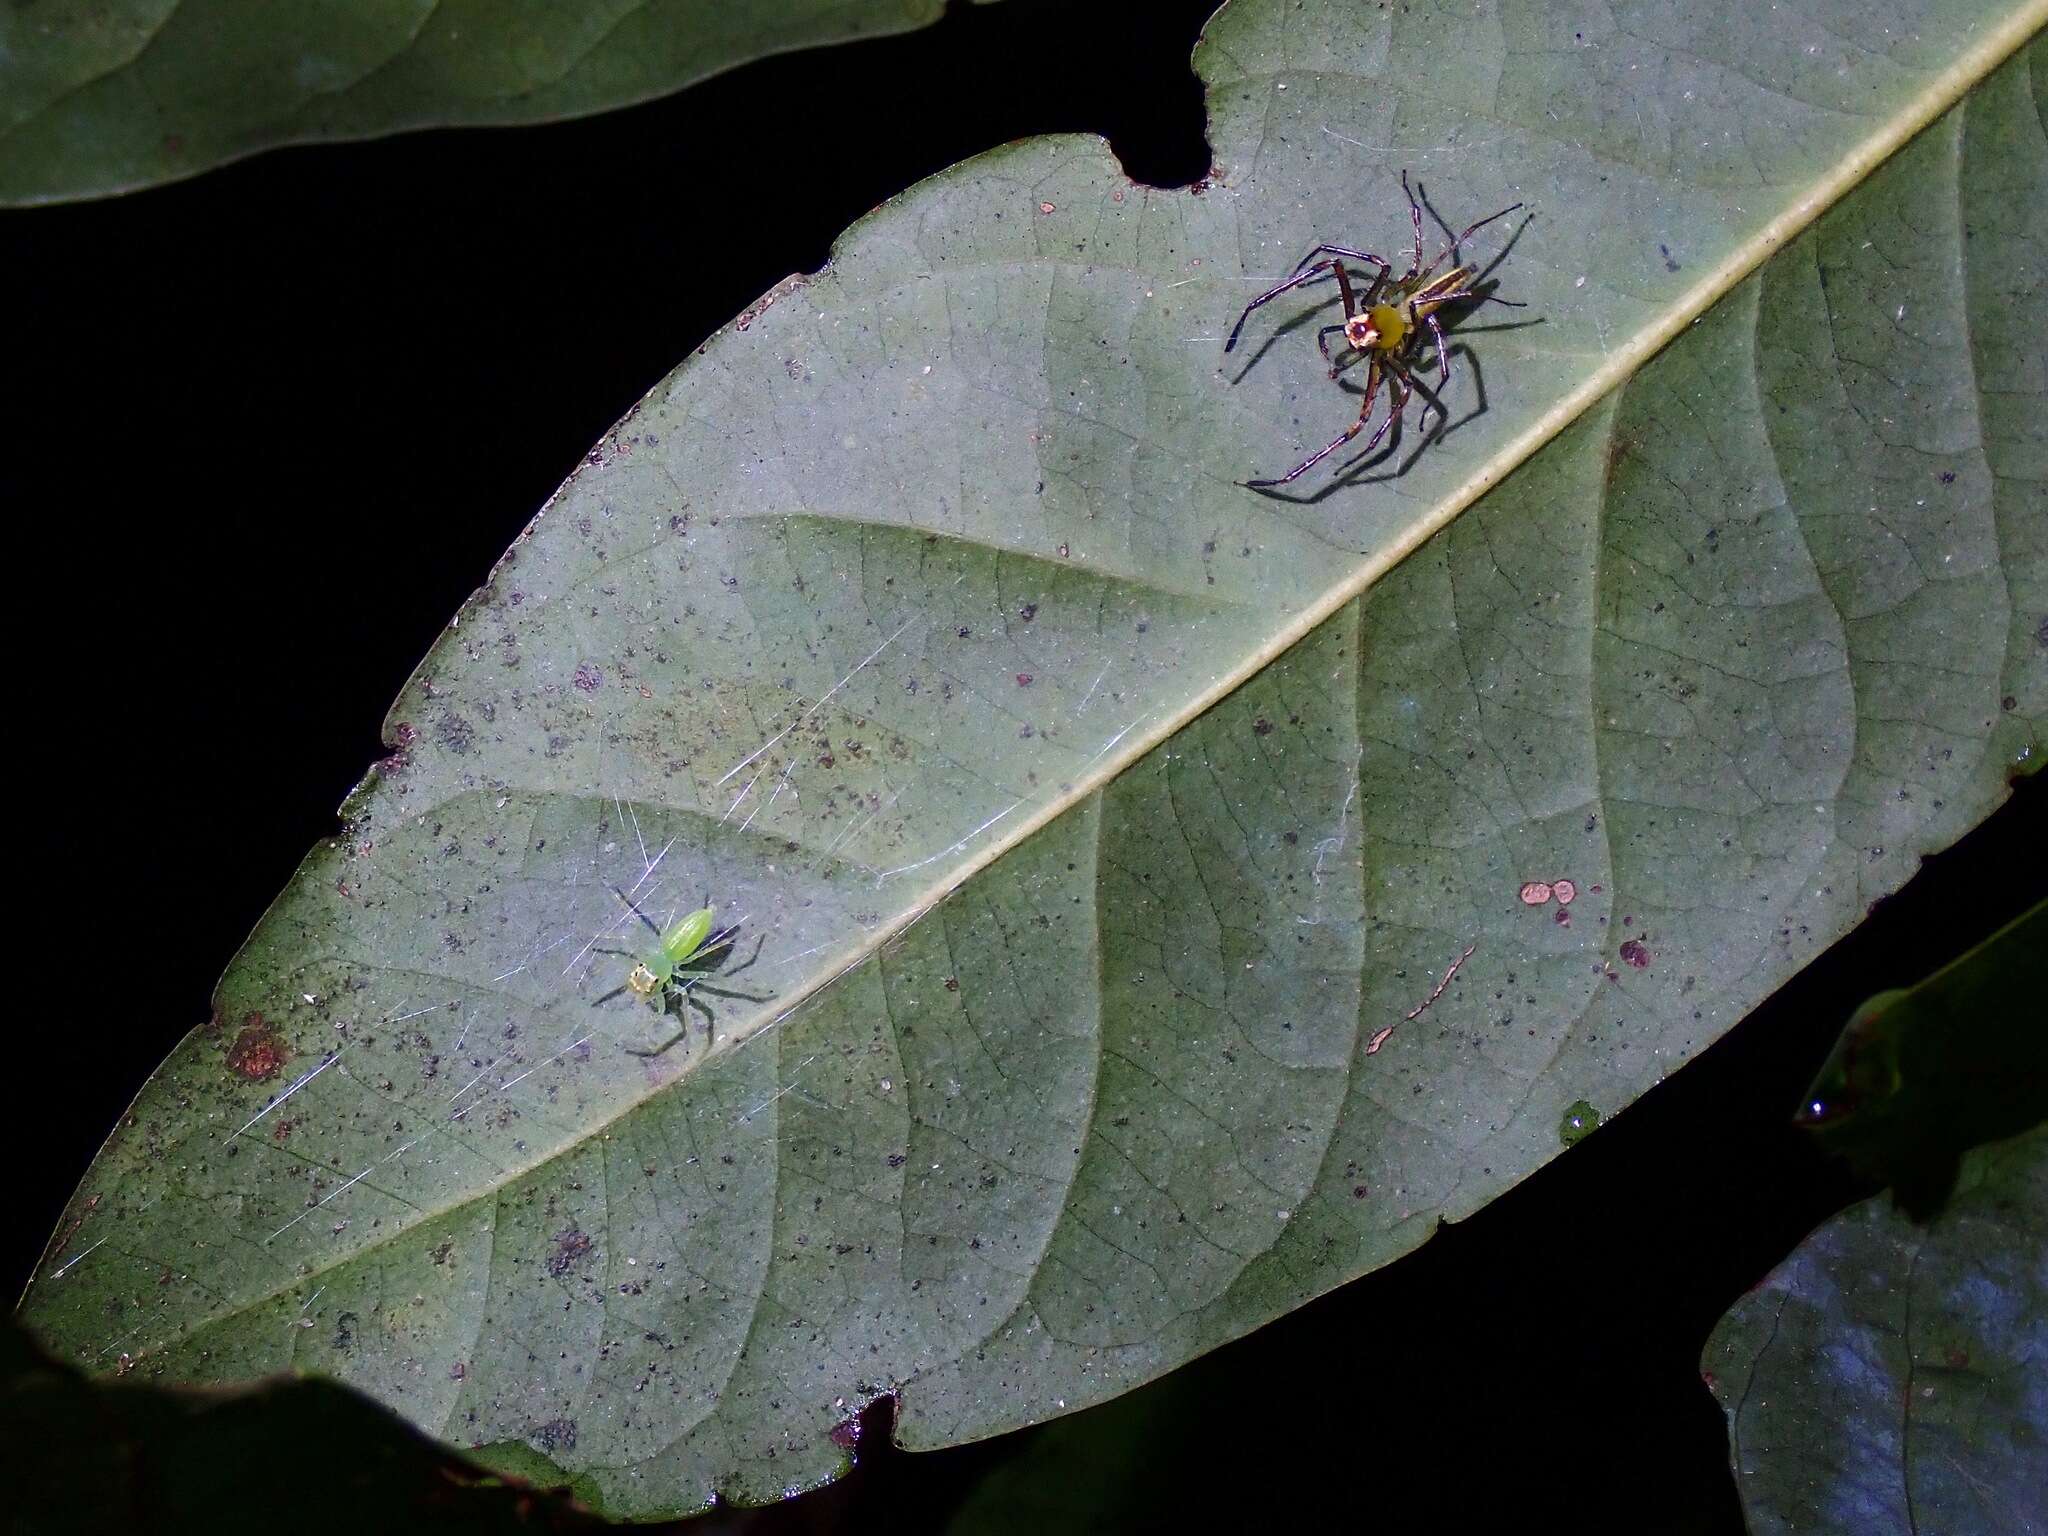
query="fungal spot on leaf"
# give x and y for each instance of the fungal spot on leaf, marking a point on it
(555, 1435)
(570, 1247)
(589, 678)
(1535, 893)
(257, 1052)
(1635, 954)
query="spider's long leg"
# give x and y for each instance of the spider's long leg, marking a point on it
(1452, 288)
(1467, 233)
(1415, 268)
(667, 1045)
(1344, 288)
(1431, 401)
(1372, 384)
(1309, 276)
(1323, 341)
(748, 962)
(652, 926)
(599, 1002)
(1464, 296)
(1364, 258)
(1443, 353)
(727, 992)
(1397, 402)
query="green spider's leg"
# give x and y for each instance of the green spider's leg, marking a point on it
(736, 996)
(673, 1040)
(749, 961)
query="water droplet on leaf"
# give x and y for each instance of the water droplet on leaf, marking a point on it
(1580, 1119)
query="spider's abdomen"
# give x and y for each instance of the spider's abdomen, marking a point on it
(687, 936)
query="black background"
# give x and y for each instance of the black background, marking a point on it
(270, 427)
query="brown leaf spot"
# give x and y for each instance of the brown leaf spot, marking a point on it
(1535, 893)
(257, 1052)
(1635, 954)
(1565, 891)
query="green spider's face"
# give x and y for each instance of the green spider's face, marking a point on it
(642, 980)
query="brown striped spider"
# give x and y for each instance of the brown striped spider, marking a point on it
(1384, 329)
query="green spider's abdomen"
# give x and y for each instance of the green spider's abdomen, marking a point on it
(688, 935)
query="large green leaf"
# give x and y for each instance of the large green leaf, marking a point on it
(100, 96)
(1104, 827)
(1887, 1377)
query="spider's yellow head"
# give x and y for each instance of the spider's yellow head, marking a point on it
(641, 980)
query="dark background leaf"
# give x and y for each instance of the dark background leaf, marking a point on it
(101, 98)
(1887, 1376)
(307, 1454)
(1923, 1073)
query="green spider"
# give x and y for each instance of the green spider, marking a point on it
(673, 971)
